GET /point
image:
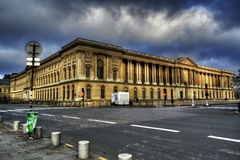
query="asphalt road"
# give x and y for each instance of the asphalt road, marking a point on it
(182, 133)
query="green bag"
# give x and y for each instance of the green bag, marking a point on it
(31, 121)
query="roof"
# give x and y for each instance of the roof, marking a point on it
(83, 41)
(5, 82)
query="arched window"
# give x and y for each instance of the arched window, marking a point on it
(102, 92)
(88, 91)
(74, 71)
(88, 71)
(58, 76)
(73, 92)
(151, 93)
(55, 78)
(159, 93)
(65, 73)
(53, 94)
(68, 92)
(50, 97)
(114, 74)
(57, 94)
(135, 93)
(100, 69)
(69, 72)
(144, 93)
(115, 89)
(63, 93)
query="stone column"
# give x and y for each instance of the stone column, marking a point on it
(129, 71)
(182, 77)
(95, 68)
(167, 75)
(154, 74)
(106, 68)
(146, 73)
(173, 76)
(139, 73)
(160, 75)
(179, 76)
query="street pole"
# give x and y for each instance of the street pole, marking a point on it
(31, 85)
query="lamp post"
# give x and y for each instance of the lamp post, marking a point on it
(33, 50)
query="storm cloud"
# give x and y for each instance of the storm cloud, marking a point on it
(206, 31)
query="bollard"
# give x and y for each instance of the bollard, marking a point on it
(16, 125)
(193, 103)
(83, 149)
(207, 103)
(24, 128)
(124, 156)
(56, 138)
(0, 119)
(38, 132)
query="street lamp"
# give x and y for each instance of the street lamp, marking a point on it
(33, 50)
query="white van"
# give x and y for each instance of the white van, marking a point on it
(120, 98)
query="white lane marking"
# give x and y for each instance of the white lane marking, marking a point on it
(64, 116)
(224, 138)
(101, 121)
(15, 114)
(3, 111)
(155, 128)
(49, 115)
(34, 109)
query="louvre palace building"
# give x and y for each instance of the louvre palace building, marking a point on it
(94, 70)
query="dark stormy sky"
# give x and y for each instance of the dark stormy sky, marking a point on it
(206, 31)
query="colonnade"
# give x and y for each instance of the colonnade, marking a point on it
(157, 74)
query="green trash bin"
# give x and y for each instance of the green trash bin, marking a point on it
(32, 118)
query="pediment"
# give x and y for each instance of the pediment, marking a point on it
(186, 61)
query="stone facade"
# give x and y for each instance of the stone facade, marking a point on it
(100, 69)
(4, 89)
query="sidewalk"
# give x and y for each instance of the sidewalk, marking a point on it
(17, 146)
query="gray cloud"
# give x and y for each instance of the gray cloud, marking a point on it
(207, 31)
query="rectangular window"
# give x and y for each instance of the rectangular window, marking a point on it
(159, 94)
(102, 92)
(114, 74)
(88, 72)
(144, 93)
(151, 93)
(181, 94)
(88, 92)
(135, 93)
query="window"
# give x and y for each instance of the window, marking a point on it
(88, 71)
(115, 74)
(63, 93)
(135, 93)
(151, 93)
(74, 71)
(73, 92)
(57, 93)
(65, 73)
(69, 72)
(88, 92)
(159, 93)
(115, 89)
(100, 69)
(102, 92)
(68, 92)
(144, 93)
(181, 94)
